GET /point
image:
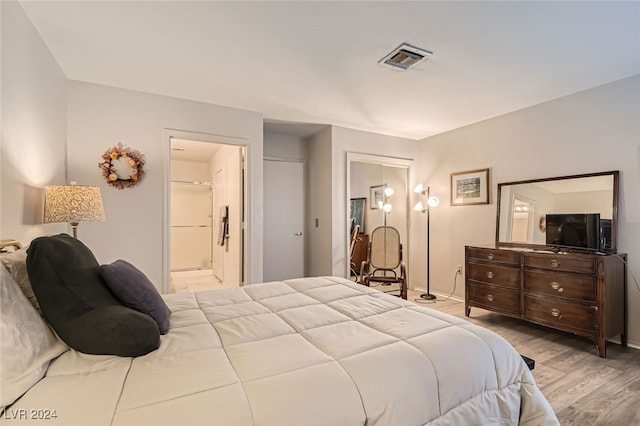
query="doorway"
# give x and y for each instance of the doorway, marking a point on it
(284, 243)
(207, 198)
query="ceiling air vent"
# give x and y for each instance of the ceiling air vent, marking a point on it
(405, 56)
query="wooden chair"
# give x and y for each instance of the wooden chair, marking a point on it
(384, 257)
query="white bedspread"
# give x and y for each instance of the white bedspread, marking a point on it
(313, 351)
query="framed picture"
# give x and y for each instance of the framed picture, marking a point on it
(358, 206)
(470, 187)
(377, 197)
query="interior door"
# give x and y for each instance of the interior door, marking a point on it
(283, 220)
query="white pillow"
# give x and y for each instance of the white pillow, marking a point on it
(27, 344)
(16, 264)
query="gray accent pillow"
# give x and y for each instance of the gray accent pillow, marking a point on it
(132, 287)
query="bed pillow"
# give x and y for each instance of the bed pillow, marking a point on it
(16, 264)
(76, 301)
(134, 289)
(27, 345)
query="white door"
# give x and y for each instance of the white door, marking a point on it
(283, 220)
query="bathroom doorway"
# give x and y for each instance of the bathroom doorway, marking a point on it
(207, 199)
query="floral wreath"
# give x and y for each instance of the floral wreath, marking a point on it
(109, 171)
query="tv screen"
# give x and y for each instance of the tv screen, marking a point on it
(574, 230)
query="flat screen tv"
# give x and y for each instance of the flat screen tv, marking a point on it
(574, 230)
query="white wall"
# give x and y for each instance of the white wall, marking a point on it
(320, 204)
(34, 127)
(190, 171)
(278, 145)
(592, 131)
(589, 202)
(100, 117)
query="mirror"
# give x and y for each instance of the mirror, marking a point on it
(378, 194)
(523, 207)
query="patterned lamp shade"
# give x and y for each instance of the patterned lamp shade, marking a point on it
(73, 204)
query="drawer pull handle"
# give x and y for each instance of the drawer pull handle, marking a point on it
(490, 256)
(555, 263)
(557, 286)
(490, 275)
(556, 313)
(490, 298)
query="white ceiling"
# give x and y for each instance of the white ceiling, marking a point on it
(317, 62)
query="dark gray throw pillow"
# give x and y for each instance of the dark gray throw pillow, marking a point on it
(132, 287)
(76, 301)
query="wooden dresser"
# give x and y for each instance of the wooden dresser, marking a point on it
(584, 294)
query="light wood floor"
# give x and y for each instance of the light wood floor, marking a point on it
(198, 280)
(582, 388)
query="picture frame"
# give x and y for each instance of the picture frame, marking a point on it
(357, 213)
(376, 197)
(471, 187)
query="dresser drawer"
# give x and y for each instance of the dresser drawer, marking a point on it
(559, 314)
(571, 286)
(501, 256)
(503, 276)
(495, 299)
(586, 264)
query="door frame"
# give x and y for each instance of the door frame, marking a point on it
(167, 135)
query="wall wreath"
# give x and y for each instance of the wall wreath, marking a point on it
(122, 166)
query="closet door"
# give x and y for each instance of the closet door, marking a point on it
(283, 220)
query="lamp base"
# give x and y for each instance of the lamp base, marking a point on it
(74, 227)
(428, 296)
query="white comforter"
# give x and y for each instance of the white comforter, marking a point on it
(313, 351)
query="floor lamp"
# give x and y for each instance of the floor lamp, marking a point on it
(432, 201)
(386, 206)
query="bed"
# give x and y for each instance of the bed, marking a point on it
(310, 351)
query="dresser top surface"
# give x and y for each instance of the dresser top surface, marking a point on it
(547, 251)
